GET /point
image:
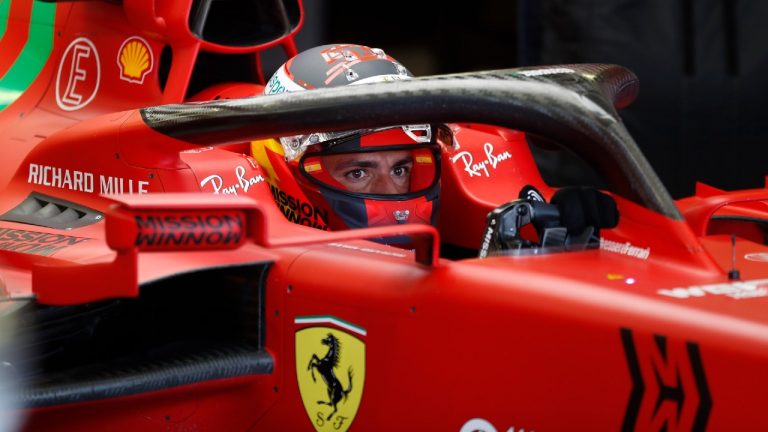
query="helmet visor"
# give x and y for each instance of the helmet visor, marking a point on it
(295, 146)
(394, 173)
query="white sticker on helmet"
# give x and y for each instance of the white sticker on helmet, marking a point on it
(281, 83)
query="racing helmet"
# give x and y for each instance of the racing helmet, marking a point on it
(360, 178)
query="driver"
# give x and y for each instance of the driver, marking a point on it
(352, 179)
(384, 172)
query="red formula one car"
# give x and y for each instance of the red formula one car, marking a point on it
(154, 277)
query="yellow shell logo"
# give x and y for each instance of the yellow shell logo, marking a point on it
(135, 60)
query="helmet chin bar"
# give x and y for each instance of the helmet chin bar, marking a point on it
(573, 221)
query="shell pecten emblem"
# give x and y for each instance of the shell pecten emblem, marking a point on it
(135, 60)
(330, 370)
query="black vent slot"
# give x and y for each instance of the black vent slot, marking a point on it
(42, 210)
(240, 23)
(185, 329)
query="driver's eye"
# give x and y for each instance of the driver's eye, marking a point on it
(400, 171)
(356, 174)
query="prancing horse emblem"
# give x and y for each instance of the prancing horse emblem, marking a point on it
(334, 349)
(325, 367)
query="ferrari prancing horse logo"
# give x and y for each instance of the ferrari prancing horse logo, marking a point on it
(330, 370)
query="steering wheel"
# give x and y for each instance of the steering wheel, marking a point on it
(573, 218)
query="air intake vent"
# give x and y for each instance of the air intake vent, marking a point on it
(42, 210)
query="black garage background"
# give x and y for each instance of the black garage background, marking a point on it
(702, 64)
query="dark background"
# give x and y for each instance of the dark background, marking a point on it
(702, 64)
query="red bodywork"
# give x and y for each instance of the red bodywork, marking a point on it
(646, 332)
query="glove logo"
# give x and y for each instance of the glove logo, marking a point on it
(669, 387)
(330, 370)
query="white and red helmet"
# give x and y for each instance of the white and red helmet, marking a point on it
(317, 161)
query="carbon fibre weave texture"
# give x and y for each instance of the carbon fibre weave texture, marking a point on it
(574, 105)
